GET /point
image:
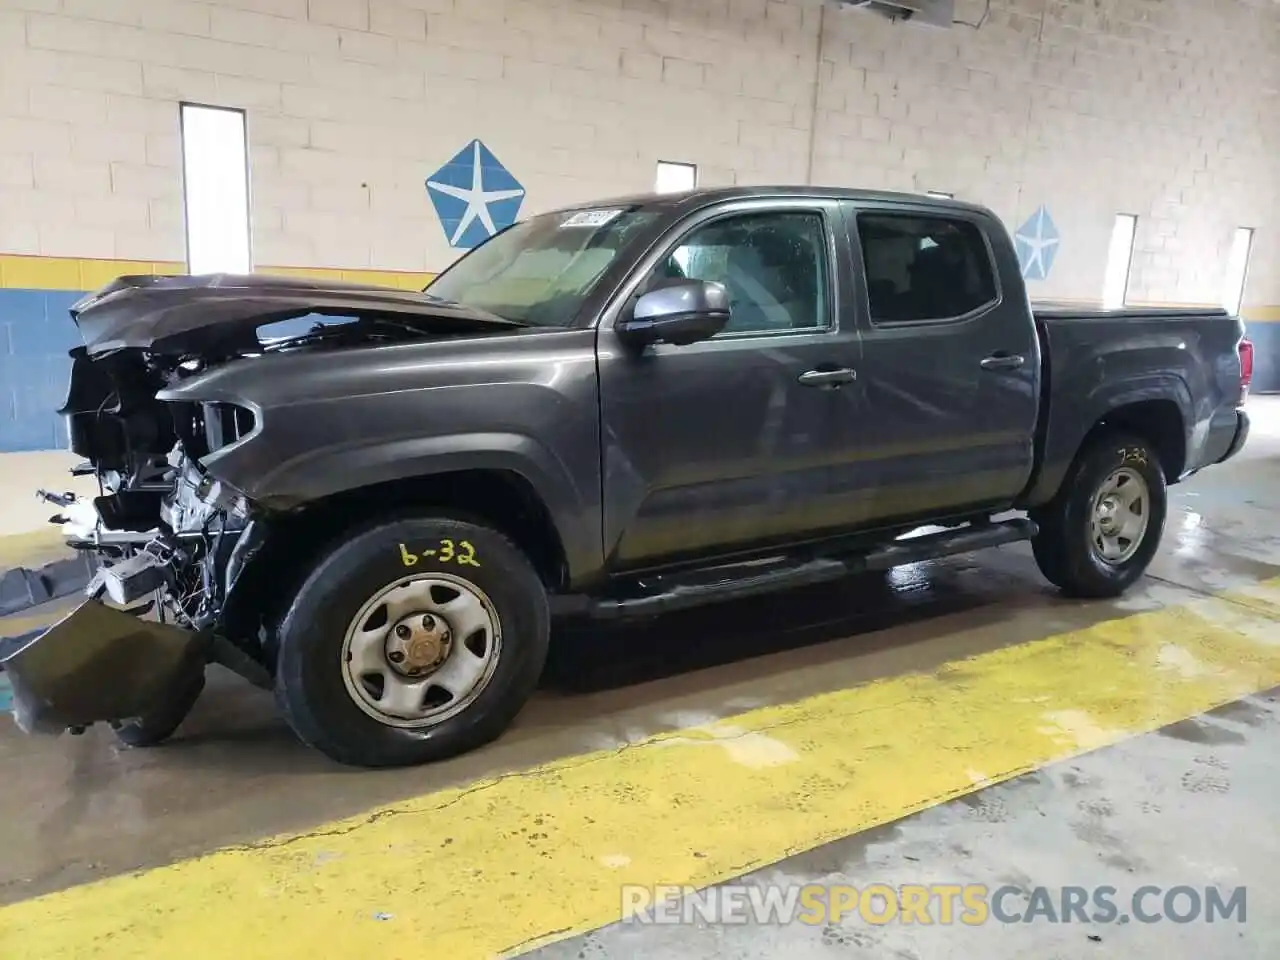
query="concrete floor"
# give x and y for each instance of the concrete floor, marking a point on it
(838, 710)
(23, 518)
(1191, 805)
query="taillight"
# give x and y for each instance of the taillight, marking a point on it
(1246, 368)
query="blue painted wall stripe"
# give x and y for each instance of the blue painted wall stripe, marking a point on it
(36, 332)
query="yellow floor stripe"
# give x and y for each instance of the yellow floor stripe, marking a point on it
(471, 872)
(33, 548)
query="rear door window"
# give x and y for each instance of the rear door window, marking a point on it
(922, 269)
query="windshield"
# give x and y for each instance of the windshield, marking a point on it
(540, 270)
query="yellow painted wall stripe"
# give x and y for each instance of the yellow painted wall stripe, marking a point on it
(1261, 314)
(401, 280)
(72, 273)
(521, 859)
(69, 273)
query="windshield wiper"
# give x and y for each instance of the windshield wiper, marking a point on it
(479, 314)
(326, 331)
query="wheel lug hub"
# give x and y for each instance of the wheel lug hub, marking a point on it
(1108, 508)
(419, 644)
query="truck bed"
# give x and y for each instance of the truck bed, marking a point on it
(1146, 353)
(1050, 310)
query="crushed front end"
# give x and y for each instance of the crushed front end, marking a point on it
(171, 396)
(170, 540)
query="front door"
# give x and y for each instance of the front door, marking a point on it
(728, 444)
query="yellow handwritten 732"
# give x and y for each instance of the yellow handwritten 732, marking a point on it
(447, 551)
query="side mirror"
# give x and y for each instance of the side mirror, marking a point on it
(684, 312)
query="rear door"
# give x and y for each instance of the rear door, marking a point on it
(729, 444)
(951, 362)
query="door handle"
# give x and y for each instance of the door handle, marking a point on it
(828, 378)
(1003, 361)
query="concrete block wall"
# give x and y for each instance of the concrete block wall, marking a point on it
(1166, 110)
(1163, 108)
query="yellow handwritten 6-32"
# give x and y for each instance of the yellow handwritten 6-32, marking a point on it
(460, 552)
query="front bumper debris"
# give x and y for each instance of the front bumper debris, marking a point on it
(129, 580)
(99, 664)
(23, 587)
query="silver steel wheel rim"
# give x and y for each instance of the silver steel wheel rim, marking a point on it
(421, 650)
(1119, 518)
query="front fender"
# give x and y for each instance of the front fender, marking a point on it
(341, 468)
(331, 422)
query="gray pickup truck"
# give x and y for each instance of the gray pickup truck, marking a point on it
(374, 502)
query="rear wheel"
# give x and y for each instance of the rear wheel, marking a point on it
(412, 641)
(1103, 529)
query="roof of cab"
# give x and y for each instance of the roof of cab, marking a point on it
(708, 195)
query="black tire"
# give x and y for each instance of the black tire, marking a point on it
(160, 726)
(309, 681)
(1062, 548)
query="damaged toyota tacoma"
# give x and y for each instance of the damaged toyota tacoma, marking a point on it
(373, 502)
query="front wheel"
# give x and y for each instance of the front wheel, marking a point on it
(414, 640)
(1101, 532)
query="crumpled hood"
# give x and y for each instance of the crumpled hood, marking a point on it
(221, 313)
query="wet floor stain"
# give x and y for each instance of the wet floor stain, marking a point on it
(831, 858)
(1201, 781)
(1250, 712)
(1201, 731)
(1073, 779)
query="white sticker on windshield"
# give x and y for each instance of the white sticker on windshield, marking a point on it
(590, 218)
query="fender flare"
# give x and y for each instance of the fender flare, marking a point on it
(339, 469)
(1067, 432)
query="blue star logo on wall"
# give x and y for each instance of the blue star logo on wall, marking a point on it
(1037, 241)
(474, 196)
